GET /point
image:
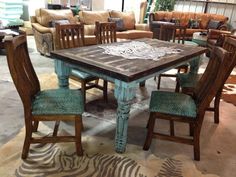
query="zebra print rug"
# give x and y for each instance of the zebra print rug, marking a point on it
(99, 160)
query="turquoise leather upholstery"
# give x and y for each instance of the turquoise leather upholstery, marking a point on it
(58, 101)
(80, 74)
(178, 104)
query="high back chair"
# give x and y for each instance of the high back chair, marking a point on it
(187, 82)
(46, 105)
(168, 32)
(172, 32)
(179, 107)
(71, 36)
(105, 32)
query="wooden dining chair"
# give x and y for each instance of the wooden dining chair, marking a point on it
(180, 107)
(188, 81)
(71, 36)
(105, 32)
(42, 105)
(168, 32)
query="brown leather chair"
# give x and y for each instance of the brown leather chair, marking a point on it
(216, 38)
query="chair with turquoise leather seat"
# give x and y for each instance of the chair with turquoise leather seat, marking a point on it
(180, 107)
(188, 81)
(168, 32)
(71, 36)
(42, 105)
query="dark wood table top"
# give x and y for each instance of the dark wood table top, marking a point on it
(93, 58)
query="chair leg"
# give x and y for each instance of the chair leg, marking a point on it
(83, 90)
(191, 129)
(172, 128)
(56, 126)
(35, 126)
(217, 106)
(28, 136)
(151, 124)
(196, 145)
(159, 82)
(78, 129)
(105, 91)
(177, 87)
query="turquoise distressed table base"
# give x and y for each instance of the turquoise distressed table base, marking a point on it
(124, 93)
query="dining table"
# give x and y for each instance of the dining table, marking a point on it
(126, 64)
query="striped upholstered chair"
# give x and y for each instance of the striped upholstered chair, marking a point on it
(180, 107)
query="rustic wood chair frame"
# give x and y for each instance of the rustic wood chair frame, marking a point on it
(168, 33)
(229, 45)
(72, 36)
(212, 80)
(28, 86)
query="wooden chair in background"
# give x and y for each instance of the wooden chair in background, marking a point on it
(46, 105)
(187, 82)
(188, 109)
(71, 36)
(168, 32)
(105, 32)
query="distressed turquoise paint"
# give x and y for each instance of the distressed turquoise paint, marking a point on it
(124, 93)
(195, 64)
(63, 71)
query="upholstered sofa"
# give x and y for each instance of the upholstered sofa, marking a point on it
(128, 29)
(44, 32)
(202, 21)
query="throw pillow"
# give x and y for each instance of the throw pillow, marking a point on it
(119, 23)
(214, 24)
(62, 22)
(194, 23)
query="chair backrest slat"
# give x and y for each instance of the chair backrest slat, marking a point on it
(21, 69)
(105, 32)
(168, 32)
(213, 78)
(69, 35)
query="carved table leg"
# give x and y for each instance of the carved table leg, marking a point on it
(63, 72)
(124, 93)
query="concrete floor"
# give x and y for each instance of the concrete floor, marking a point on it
(218, 142)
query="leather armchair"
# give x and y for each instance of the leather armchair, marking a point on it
(216, 38)
(44, 32)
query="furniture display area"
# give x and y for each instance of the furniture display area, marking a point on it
(125, 73)
(42, 105)
(199, 21)
(44, 33)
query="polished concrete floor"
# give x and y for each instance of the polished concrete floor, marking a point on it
(218, 142)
